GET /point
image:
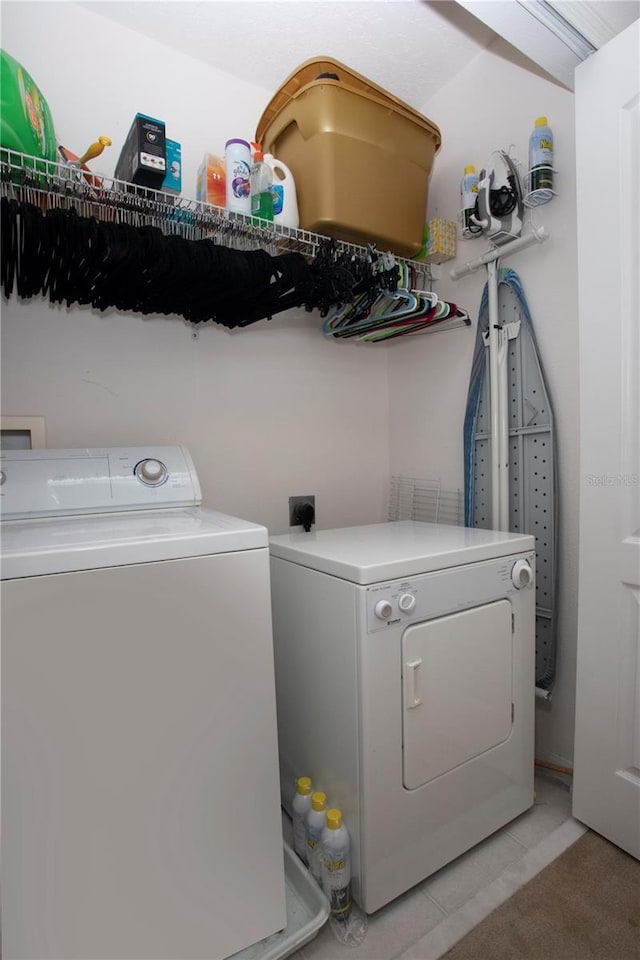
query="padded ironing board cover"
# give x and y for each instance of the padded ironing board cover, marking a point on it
(532, 460)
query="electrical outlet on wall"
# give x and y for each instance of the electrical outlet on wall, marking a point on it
(302, 512)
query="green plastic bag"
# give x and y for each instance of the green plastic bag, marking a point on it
(25, 119)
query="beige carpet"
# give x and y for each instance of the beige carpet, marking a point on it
(583, 906)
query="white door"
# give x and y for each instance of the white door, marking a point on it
(607, 745)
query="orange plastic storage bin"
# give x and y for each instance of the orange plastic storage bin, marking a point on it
(361, 158)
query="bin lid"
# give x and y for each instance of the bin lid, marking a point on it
(307, 75)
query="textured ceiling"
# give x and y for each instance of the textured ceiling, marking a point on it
(403, 45)
(409, 47)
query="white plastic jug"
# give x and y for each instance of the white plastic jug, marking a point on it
(285, 199)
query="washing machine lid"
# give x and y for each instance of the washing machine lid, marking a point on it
(388, 551)
(32, 548)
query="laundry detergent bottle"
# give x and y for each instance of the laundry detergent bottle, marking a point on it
(211, 183)
(285, 198)
(261, 182)
(26, 125)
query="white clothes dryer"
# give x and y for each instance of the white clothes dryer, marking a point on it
(140, 800)
(405, 688)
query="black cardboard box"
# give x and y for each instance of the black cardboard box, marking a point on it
(143, 158)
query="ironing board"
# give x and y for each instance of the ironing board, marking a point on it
(532, 460)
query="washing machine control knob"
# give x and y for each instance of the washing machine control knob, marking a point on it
(521, 574)
(407, 602)
(151, 472)
(384, 610)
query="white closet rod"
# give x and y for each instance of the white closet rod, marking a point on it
(498, 344)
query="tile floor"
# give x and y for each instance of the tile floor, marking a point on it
(427, 920)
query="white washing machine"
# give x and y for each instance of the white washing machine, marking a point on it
(140, 799)
(405, 688)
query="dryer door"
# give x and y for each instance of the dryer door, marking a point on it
(457, 689)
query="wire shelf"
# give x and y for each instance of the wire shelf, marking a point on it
(535, 198)
(414, 498)
(55, 184)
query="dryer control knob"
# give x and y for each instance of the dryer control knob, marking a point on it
(151, 472)
(521, 574)
(384, 610)
(407, 602)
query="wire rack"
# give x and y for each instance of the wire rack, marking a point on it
(412, 498)
(534, 198)
(61, 185)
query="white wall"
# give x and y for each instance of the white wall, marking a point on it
(267, 412)
(491, 104)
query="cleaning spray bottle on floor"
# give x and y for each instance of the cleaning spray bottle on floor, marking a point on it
(315, 825)
(301, 805)
(346, 919)
(336, 865)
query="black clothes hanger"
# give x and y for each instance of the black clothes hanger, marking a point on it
(106, 263)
